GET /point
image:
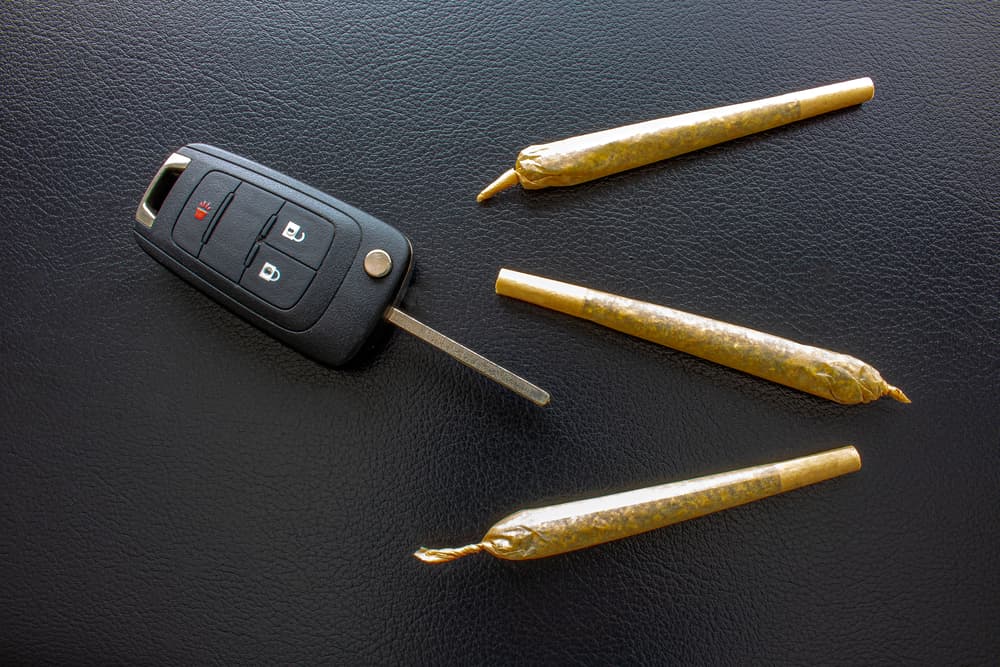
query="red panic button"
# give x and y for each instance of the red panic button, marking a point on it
(200, 209)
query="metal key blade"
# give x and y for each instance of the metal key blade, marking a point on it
(464, 355)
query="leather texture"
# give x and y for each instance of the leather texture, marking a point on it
(179, 488)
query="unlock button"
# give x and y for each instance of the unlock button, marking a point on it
(276, 277)
(301, 234)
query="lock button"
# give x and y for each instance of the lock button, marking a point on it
(300, 234)
(276, 278)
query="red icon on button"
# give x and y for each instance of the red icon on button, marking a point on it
(203, 208)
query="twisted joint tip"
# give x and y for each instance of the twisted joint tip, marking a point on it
(897, 393)
(508, 179)
(435, 556)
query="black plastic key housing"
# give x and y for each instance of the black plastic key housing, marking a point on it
(279, 253)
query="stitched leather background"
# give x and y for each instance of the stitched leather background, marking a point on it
(176, 487)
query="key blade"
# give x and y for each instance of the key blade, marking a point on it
(464, 355)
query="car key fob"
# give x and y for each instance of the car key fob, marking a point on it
(303, 266)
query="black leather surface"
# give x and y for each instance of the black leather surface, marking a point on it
(176, 487)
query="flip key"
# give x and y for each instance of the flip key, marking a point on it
(308, 269)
